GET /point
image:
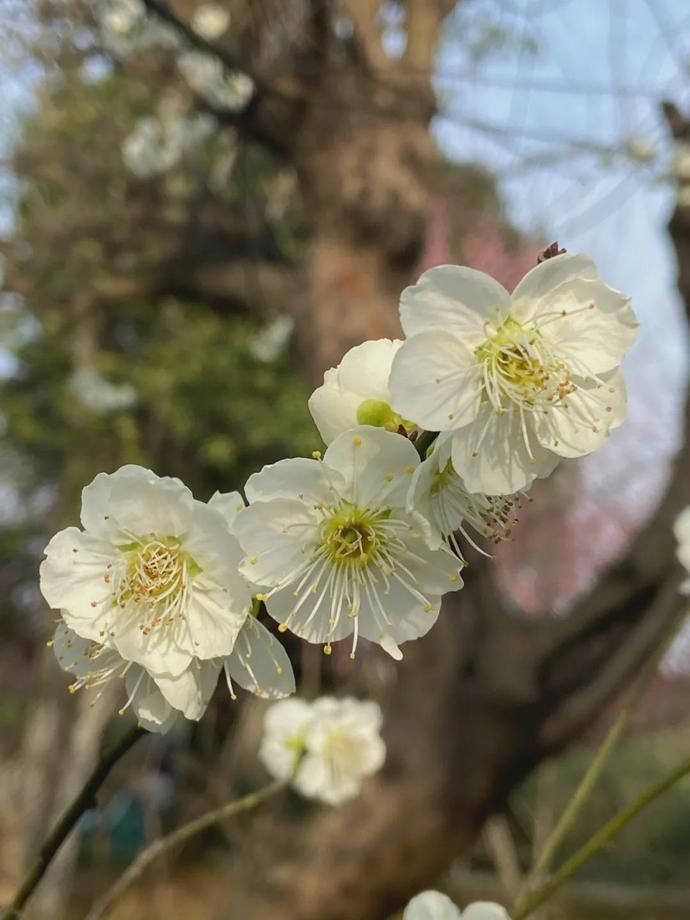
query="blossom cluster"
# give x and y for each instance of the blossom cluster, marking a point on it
(433, 905)
(149, 590)
(428, 440)
(326, 748)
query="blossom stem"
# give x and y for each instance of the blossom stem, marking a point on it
(527, 905)
(589, 780)
(424, 442)
(182, 834)
(84, 800)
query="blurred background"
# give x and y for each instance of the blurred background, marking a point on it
(202, 206)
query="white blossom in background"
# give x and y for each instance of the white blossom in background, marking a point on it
(96, 393)
(153, 574)
(431, 905)
(272, 341)
(434, 905)
(220, 87)
(356, 392)
(284, 736)
(334, 744)
(521, 381)
(334, 549)
(210, 21)
(127, 28)
(441, 497)
(681, 530)
(157, 143)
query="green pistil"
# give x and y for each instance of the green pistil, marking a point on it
(378, 413)
(351, 535)
(441, 478)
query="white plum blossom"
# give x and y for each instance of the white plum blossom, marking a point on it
(335, 551)
(521, 381)
(92, 390)
(272, 341)
(328, 747)
(127, 28)
(210, 21)
(153, 574)
(356, 391)
(431, 905)
(434, 905)
(284, 736)
(157, 703)
(157, 143)
(681, 530)
(220, 87)
(441, 497)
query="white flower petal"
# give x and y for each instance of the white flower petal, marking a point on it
(285, 726)
(229, 504)
(455, 298)
(296, 478)
(365, 369)
(135, 500)
(541, 280)
(492, 457)
(436, 381)
(273, 535)
(152, 710)
(431, 905)
(374, 465)
(597, 329)
(580, 424)
(260, 664)
(72, 578)
(334, 410)
(191, 691)
(485, 910)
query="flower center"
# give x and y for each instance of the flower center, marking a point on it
(519, 368)
(155, 575)
(351, 536)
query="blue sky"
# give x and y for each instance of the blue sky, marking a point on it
(553, 126)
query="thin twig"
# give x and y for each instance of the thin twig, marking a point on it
(84, 800)
(597, 843)
(589, 780)
(164, 844)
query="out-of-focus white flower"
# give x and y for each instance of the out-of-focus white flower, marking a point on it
(441, 497)
(157, 703)
(127, 28)
(521, 381)
(122, 17)
(356, 391)
(334, 743)
(210, 21)
(335, 551)
(208, 77)
(433, 905)
(95, 392)
(681, 530)
(284, 736)
(157, 143)
(153, 574)
(271, 342)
